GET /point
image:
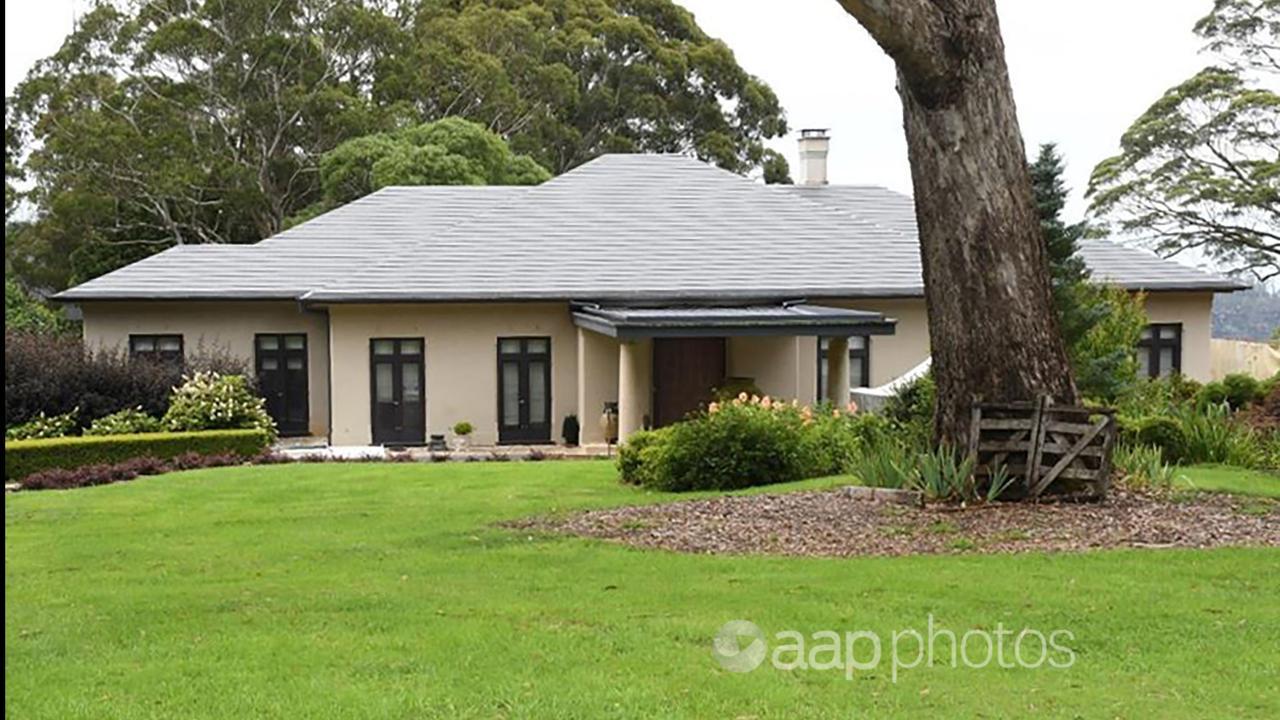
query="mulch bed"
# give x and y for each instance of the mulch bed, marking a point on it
(833, 523)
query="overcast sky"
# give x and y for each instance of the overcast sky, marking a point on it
(1082, 71)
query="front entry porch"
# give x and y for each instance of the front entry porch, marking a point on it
(655, 365)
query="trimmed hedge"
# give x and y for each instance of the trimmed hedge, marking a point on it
(24, 457)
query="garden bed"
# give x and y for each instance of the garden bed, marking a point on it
(838, 523)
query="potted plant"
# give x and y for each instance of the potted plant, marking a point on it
(462, 432)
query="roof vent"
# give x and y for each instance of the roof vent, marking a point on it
(814, 143)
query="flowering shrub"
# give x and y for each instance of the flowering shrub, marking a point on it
(211, 401)
(44, 426)
(743, 442)
(129, 421)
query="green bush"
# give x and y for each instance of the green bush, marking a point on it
(635, 459)
(1210, 435)
(911, 411)
(1212, 394)
(830, 441)
(737, 445)
(463, 428)
(1163, 433)
(1242, 390)
(212, 401)
(741, 443)
(24, 457)
(130, 421)
(43, 426)
(1157, 396)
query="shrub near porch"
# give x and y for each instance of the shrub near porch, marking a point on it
(744, 442)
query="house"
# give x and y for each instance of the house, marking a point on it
(638, 281)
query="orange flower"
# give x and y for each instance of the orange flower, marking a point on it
(852, 407)
(713, 408)
(742, 396)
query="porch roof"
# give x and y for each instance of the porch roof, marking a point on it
(788, 318)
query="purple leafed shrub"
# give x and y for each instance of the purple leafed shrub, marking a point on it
(90, 475)
(55, 374)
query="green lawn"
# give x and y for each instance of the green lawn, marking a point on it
(1219, 478)
(384, 591)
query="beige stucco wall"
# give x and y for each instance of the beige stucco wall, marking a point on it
(774, 363)
(1257, 359)
(1195, 312)
(461, 361)
(226, 327)
(597, 368)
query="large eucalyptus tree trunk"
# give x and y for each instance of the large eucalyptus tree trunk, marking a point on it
(992, 327)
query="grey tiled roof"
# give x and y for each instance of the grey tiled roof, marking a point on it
(1130, 267)
(621, 227)
(304, 257)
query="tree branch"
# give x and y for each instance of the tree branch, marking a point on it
(915, 33)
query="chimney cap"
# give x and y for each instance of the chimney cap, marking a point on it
(814, 132)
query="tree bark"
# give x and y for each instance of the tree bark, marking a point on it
(992, 327)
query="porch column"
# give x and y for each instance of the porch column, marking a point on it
(838, 371)
(635, 385)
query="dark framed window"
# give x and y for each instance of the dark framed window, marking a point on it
(1160, 350)
(397, 377)
(859, 363)
(524, 389)
(161, 348)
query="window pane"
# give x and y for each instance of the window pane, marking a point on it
(410, 347)
(295, 342)
(537, 347)
(823, 344)
(1144, 363)
(384, 347)
(269, 342)
(858, 342)
(537, 391)
(1166, 361)
(412, 393)
(509, 346)
(1168, 333)
(856, 378)
(1146, 333)
(511, 394)
(294, 363)
(169, 343)
(144, 344)
(822, 377)
(383, 390)
(270, 363)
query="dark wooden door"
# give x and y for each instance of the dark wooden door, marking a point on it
(397, 379)
(281, 364)
(524, 390)
(685, 371)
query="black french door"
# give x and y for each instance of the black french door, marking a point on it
(396, 380)
(281, 364)
(524, 390)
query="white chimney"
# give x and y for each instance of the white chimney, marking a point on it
(814, 143)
